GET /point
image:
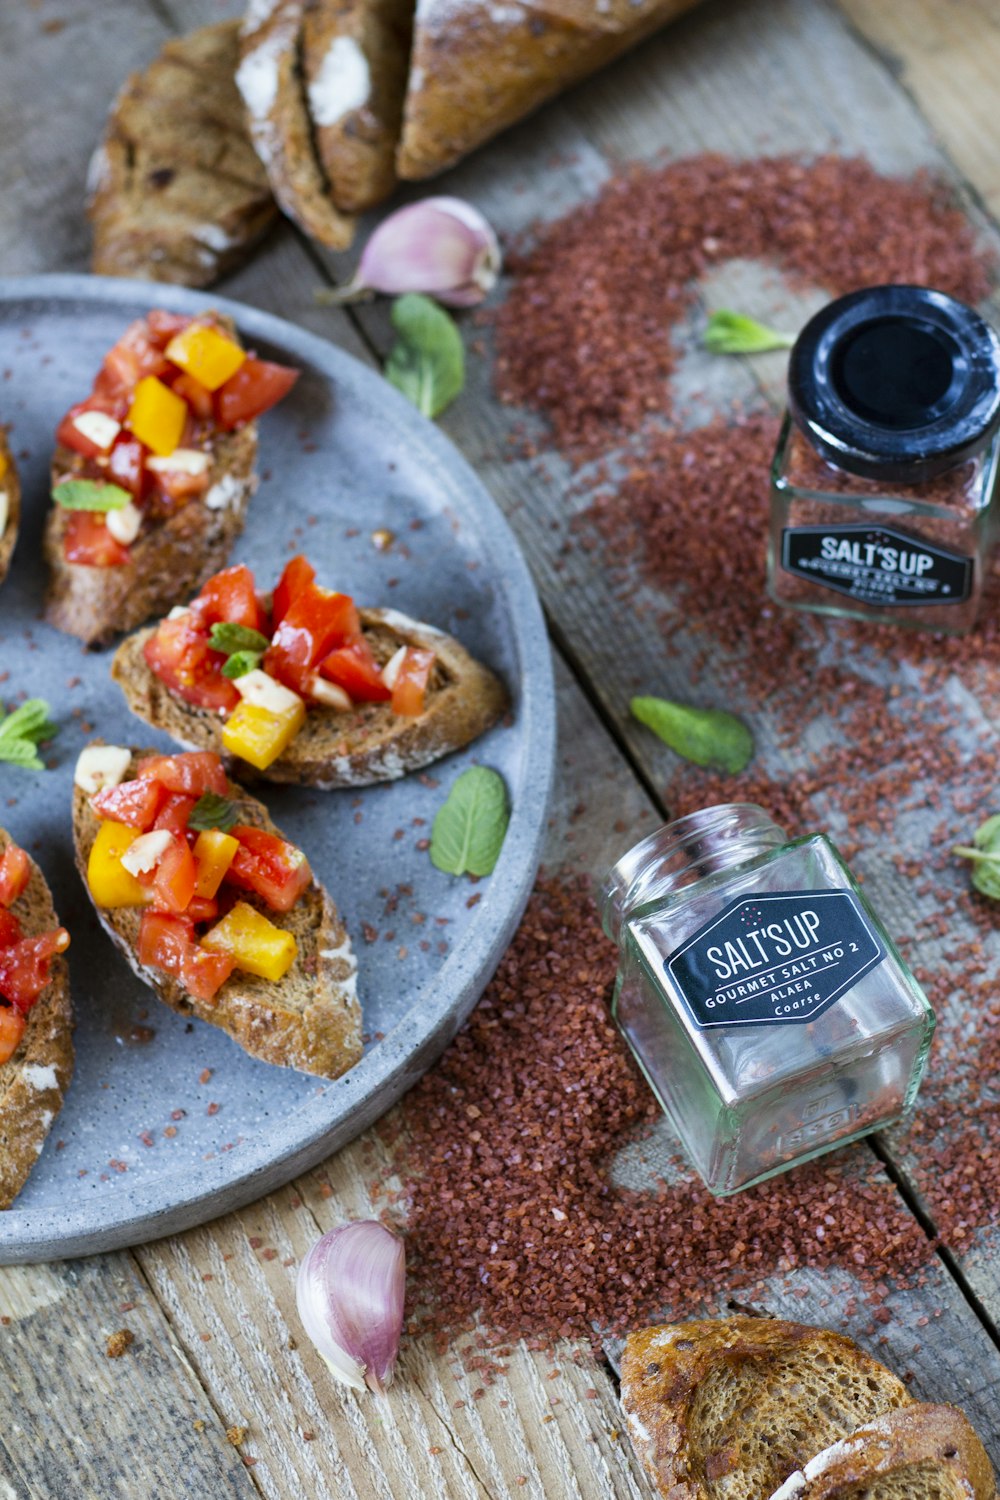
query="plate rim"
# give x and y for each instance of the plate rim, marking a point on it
(28, 1236)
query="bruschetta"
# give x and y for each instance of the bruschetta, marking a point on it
(153, 472)
(303, 686)
(36, 1017)
(10, 505)
(213, 908)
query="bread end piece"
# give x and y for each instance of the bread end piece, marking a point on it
(10, 488)
(34, 1081)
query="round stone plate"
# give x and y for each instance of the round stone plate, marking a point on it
(167, 1122)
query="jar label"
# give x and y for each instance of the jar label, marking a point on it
(770, 959)
(876, 565)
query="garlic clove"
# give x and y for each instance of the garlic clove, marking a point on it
(350, 1294)
(441, 246)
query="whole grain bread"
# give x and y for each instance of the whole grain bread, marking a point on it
(311, 1019)
(368, 744)
(727, 1410)
(34, 1081)
(355, 55)
(10, 502)
(917, 1452)
(176, 190)
(270, 80)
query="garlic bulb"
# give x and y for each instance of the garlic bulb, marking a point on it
(441, 246)
(350, 1297)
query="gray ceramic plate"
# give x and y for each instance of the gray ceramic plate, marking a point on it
(167, 1122)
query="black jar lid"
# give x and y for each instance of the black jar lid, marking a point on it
(896, 382)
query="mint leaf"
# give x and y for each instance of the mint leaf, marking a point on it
(90, 494)
(427, 362)
(985, 854)
(469, 829)
(734, 333)
(212, 811)
(706, 736)
(22, 730)
(241, 662)
(230, 638)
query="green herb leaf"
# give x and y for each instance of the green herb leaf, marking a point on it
(734, 333)
(22, 730)
(469, 829)
(90, 494)
(241, 662)
(212, 811)
(985, 854)
(427, 362)
(230, 638)
(706, 736)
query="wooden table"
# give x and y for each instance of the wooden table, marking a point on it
(212, 1311)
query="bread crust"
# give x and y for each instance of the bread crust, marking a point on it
(176, 190)
(310, 1020)
(666, 1369)
(34, 1081)
(371, 744)
(270, 79)
(10, 485)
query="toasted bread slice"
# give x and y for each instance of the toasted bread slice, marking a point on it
(177, 192)
(919, 1452)
(727, 1410)
(355, 55)
(34, 1081)
(270, 79)
(367, 745)
(10, 505)
(311, 1019)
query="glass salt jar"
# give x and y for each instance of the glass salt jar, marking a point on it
(883, 481)
(766, 1004)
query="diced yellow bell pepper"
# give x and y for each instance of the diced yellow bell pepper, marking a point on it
(206, 354)
(157, 416)
(110, 883)
(259, 736)
(254, 944)
(214, 852)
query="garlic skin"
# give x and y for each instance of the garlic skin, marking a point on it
(350, 1294)
(441, 246)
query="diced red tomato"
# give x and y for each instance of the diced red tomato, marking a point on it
(174, 878)
(179, 653)
(15, 872)
(255, 388)
(197, 396)
(24, 967)
(163, 326)
(229, 597)
(12, 1025)
(175, 813)
(317, 620)
(297, 575)
(270, 866)
(70, 436)
(354, 668)
(87, 540)
(167, 942)
(136, 355)
(410, 687)
(193, 772)
(136, 803)
(127, 465)
(10, 928)
(202, 909)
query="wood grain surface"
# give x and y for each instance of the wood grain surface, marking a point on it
(217, 1343)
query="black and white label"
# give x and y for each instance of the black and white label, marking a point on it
(771, 959)
(876, 565)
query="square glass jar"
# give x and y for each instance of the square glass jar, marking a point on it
(766, 1004)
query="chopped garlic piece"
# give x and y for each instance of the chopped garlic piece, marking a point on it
(258, 688)
(124, 524)
(182, 461)
(98, 428)
(147, 851)
(99, 766)
(329, 694)
(391, 669)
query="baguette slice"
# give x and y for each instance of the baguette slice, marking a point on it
(311, 1019)
(334, 749)
(177, 192)
(732, 1408)
(10, 505)
(355, 55)
(34, 1081)
(270, 79)
(916, 1453)
(477, 67)
(168, 559)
